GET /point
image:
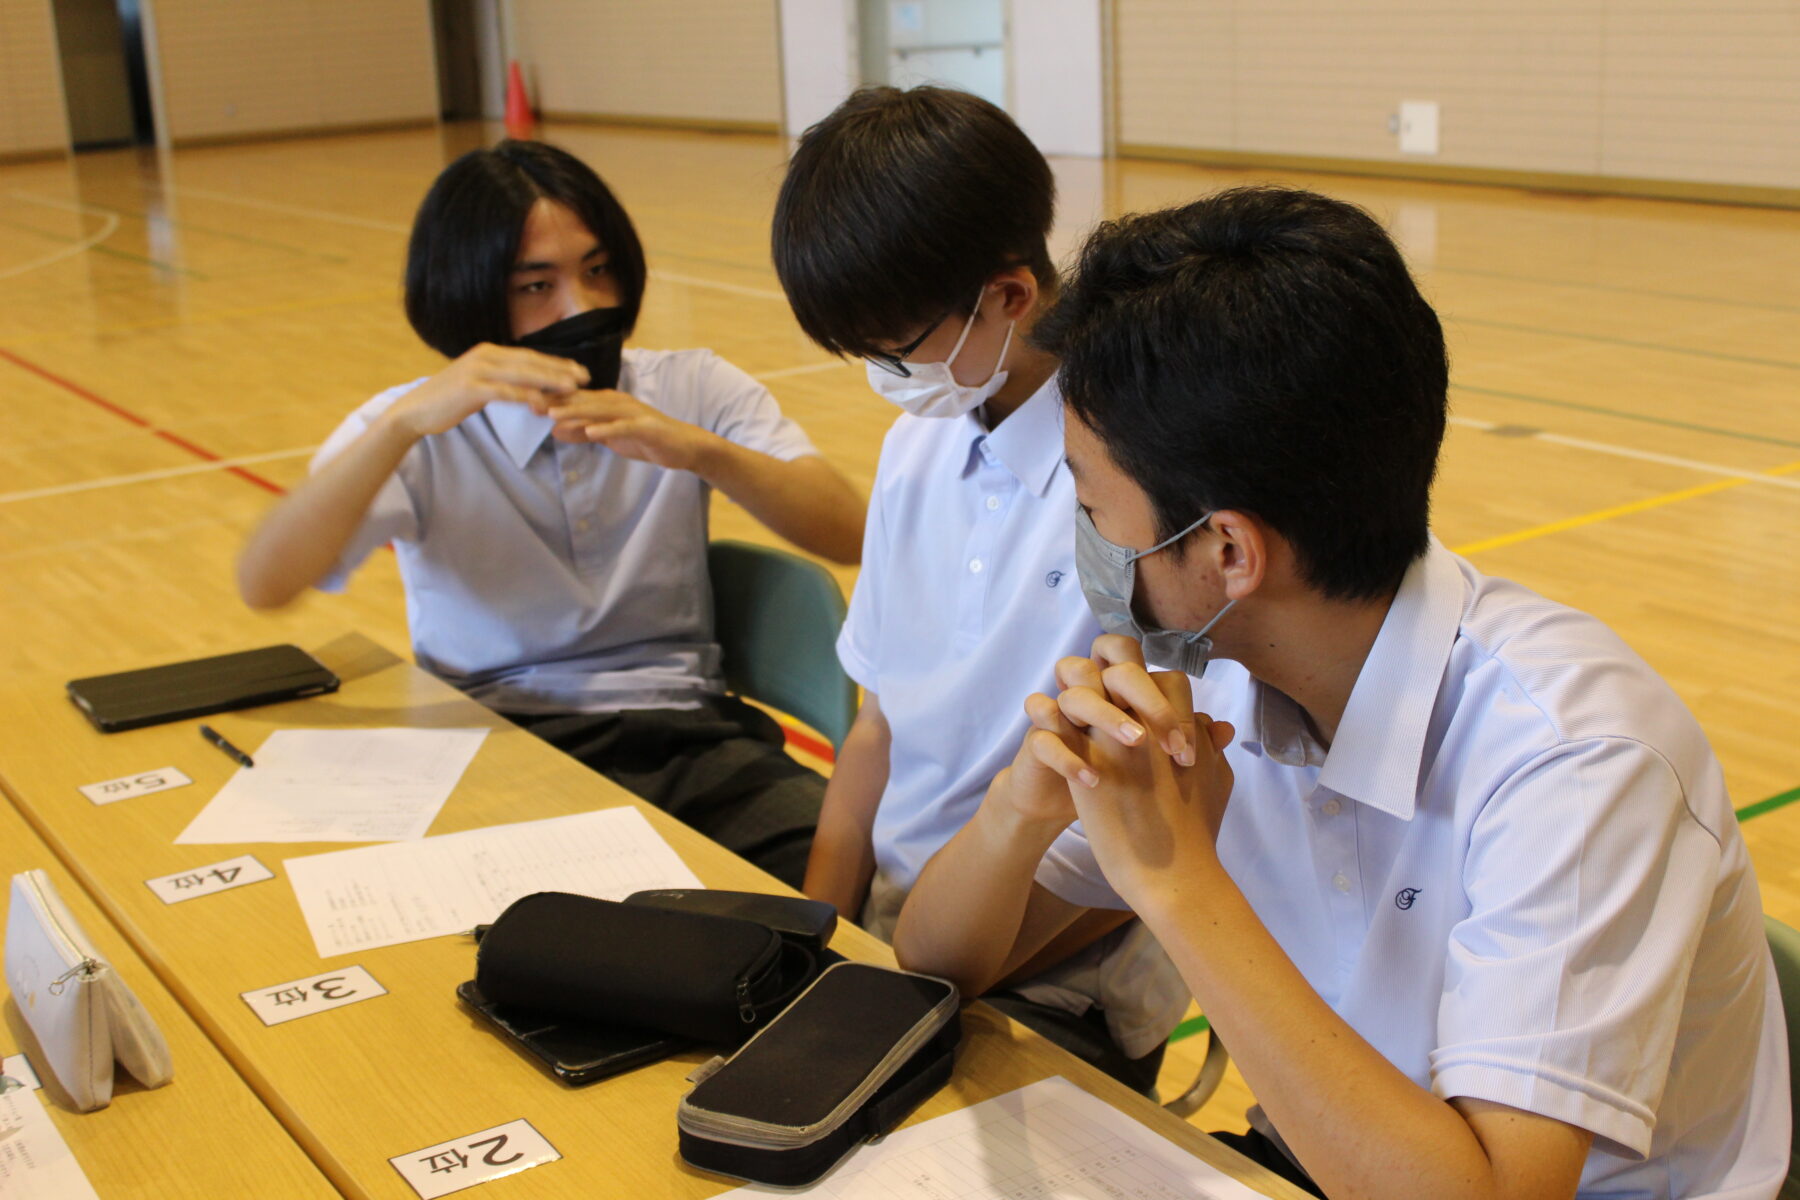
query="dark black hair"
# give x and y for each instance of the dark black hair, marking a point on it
(467, 232)
(900, 205)
(1265, 350)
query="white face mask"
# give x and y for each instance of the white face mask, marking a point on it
(931, 390)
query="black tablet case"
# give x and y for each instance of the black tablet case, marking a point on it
(177, 691)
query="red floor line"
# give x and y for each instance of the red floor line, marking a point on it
(811, 745)
(126, 414)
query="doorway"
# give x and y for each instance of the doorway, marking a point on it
(955, 43)
(106, 77)
(471, 61)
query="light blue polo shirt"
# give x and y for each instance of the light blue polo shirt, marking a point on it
(1517, 874)
(967, 598)
(543, 576)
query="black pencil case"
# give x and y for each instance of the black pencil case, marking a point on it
(844, 1063)
(797, 919)
(707, 978)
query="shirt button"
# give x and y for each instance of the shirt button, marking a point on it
(974, 566)
(569, 477)
(993, 503)
(1330, 807)
(581, 525)
(1341, 882)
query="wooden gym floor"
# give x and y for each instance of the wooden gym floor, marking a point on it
(176, 334)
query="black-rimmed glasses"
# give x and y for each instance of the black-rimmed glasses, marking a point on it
(894, 361)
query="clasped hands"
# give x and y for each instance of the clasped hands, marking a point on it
(1121, 749)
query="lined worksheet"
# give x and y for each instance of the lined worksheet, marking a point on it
(338, 785)
(1047, 1141)
(382, 895)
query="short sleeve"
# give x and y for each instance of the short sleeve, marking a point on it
(741, 410)
(394, 514)
(1070, 871)
(858, 641)
(1589, 881)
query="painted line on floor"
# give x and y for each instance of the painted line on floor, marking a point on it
(1617, 510)
(125, 414)
(214, 463)
(1667, 460)
(1603, 339)
(107, 228)
(107, 210)
(1191, 1027)
(1723, 301)
(1627, 415)
(1778, 800)
(111, 481)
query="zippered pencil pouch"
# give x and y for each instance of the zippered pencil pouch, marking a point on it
(695, 975)
(83, 1015)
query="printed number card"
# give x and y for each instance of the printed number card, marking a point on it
(204, 881)
(141, 784)
(284, 1002)
(474, 1158)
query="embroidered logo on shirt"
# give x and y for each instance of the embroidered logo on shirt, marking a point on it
(1403, 899)
(1053, 578)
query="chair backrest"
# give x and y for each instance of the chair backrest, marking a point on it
(776, 616)
(1784, 945)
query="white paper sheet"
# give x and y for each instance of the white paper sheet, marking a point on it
(35, 1162)
(383, 895)
(1048, 1141)
(338, 785)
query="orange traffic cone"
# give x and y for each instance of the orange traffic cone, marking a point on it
(520, 123)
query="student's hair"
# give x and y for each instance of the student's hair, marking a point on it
(1265, 350)
(900, 205)
(466, 237)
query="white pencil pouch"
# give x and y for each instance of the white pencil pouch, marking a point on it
(83, 1015)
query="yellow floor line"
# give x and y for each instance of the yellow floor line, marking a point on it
(1617, 510)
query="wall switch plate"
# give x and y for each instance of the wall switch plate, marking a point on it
(1418, 127)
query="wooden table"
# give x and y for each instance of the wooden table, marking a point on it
(360, 1084)
(163, 1142)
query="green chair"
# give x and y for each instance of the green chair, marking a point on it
(1784, 944)
(776, 616)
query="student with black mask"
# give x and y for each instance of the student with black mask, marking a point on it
(546, 494)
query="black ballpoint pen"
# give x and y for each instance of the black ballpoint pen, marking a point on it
(212, 735)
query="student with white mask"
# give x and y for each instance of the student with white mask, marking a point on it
(911, 231)
(1450, 869)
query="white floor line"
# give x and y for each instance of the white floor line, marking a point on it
(108, 224)
(736, 289)
(89, 485)
(319, 214)
(1667, 460)
(292, 210)
(808, 369)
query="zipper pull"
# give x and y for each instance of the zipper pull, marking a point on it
(85, 967)
(746, 1010)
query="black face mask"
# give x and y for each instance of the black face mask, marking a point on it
(593, 338)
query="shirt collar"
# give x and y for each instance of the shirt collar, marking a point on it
(1029, 443)
(520, 430)
(1378, 752)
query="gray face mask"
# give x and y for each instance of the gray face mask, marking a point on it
(1109, 573)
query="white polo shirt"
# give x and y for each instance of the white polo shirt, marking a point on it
(1517, 874)
(967, 597)
(547, 576)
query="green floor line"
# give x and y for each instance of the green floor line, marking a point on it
(1779, 800)
(1723, 301)
(1603, 339)
(1188, 1029)
(1625, 415)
